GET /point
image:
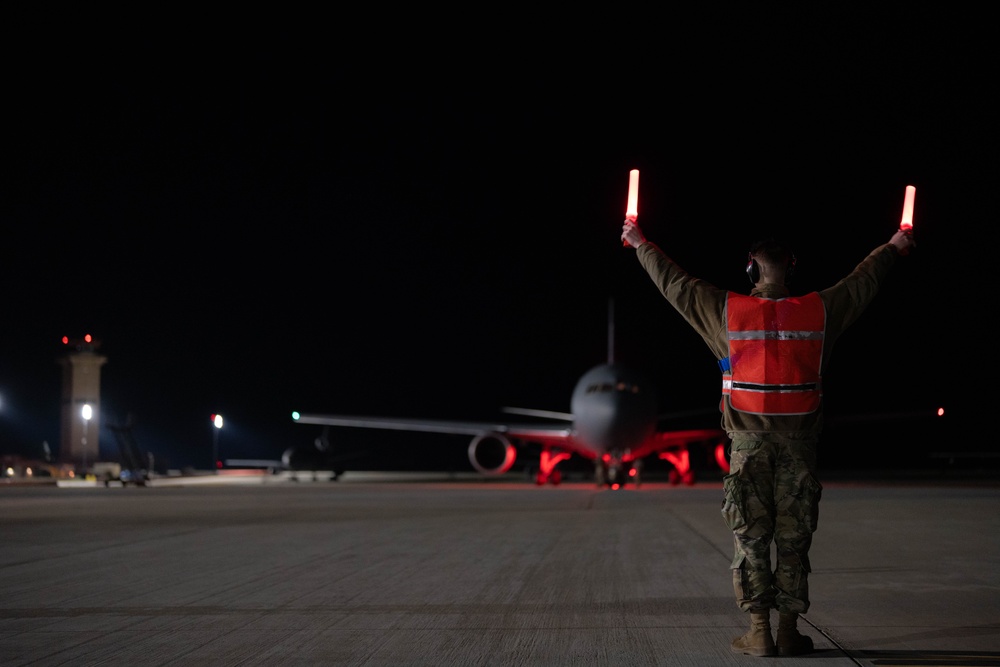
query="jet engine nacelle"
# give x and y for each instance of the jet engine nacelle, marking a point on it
(491, 453)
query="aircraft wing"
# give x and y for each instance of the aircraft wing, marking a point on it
(541, 432)
(492, 449)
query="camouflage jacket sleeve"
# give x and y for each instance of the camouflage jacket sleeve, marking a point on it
(846, 300)
(700, 303)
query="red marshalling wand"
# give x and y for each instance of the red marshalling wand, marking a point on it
(632, 207)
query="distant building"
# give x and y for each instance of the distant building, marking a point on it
(81, 402)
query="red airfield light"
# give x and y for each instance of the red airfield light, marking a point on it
(65, 340)
(940, 412)
(88, 338)
(906, 223)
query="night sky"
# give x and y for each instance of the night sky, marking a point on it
(263, 223)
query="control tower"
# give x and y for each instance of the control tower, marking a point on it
(81, 402)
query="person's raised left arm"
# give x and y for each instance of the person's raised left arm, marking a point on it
(846, 300)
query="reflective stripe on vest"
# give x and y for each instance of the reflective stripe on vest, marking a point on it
(775, 353)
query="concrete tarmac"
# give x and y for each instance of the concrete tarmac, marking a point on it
(450, 571)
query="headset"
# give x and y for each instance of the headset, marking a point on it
(753, 269)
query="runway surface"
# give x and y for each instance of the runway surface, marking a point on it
(427, 571)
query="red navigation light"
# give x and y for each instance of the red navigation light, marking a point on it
(632, 472)
(940, 412)
(88, 338)
(65, 340)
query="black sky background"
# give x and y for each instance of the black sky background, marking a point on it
(290, 220)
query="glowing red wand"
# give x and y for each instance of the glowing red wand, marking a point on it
(906, 224)
(632, 206)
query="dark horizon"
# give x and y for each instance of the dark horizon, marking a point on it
(284, 229)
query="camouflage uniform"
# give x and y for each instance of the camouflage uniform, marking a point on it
(772, 493)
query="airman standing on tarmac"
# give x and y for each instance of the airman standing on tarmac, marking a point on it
(772, 349)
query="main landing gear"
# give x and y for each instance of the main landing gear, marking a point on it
(547, 473)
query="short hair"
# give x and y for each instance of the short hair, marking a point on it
(773, 252)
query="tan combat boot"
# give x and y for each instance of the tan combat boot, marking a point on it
(757, 641)
(790, 641)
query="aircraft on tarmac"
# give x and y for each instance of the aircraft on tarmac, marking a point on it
(613, 421)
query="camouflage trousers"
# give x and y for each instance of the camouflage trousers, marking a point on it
(771, 494)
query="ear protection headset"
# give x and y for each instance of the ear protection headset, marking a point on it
(753, 269)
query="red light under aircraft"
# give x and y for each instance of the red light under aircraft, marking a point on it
(613, 422)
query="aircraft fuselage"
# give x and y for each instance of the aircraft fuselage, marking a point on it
(614, 410)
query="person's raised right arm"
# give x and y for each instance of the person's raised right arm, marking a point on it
(903, 241)
(700, 303)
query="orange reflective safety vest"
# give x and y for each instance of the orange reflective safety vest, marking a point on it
(775, 353)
